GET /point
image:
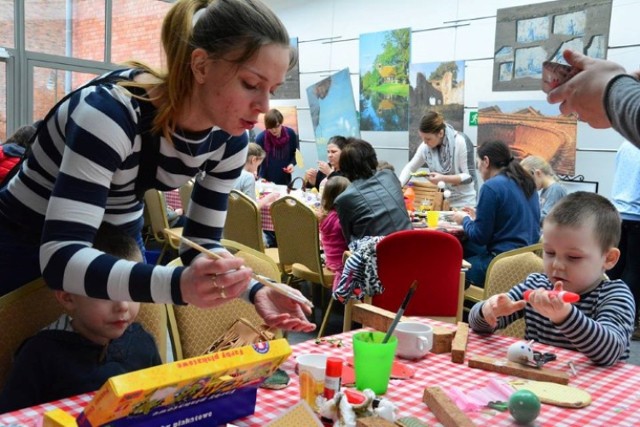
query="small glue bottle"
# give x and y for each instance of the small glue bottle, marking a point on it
(332, 375)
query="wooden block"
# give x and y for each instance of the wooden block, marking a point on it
(373, 317)
(445, 409)
(504, 366)
(374, 422)
(442, 338)
(459, 344)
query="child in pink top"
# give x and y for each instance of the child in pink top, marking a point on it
(333, 241)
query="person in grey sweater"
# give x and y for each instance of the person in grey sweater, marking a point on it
(603, 94)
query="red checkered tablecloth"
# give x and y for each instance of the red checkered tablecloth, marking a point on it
(615, 391)
(173, 199)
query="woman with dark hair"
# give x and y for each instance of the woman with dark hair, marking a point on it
(508, 212)
(330, 168)
(373, 204)
(280, 143)
(449, 156)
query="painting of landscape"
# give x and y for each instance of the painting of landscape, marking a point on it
(384, 80)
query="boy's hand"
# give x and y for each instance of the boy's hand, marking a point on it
(498, 306)
(550, 305)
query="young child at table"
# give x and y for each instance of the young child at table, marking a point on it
(580, 235)
(331, 236)
(246, 183)
(95, 340)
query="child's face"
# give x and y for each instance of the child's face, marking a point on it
(574, 256)
(100, 320)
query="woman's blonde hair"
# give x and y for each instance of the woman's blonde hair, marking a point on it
(229, 30)
(533, 163)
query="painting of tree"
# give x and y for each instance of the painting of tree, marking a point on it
(384, 80)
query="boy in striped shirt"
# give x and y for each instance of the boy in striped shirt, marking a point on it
(580, 236)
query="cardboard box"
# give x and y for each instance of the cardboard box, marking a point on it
(201, 391)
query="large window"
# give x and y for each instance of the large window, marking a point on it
(58, 45)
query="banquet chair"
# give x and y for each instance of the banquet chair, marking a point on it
(193, 329)
(185, 194)
(23, 312)
(156, 208)
(244, 224)
(506, 270)
(431, 257)
(153, 318)
(296, 228)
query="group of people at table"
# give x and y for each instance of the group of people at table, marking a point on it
(72, 214)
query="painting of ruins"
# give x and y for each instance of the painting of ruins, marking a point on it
(333, 109)
(531, 128)
(290, 89)
(290, 120)
(526, 36)
(435, 86)
(384, 80)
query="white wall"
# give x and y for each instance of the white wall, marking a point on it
(472, 41)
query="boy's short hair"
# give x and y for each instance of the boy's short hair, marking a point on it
(575, 209)
(114, 241)
(273, 118)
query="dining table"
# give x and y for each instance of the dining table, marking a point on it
(614, 390)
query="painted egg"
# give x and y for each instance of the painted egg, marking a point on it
(524, 406)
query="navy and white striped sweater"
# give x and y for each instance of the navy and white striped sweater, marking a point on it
(83, 171)
(599, 325)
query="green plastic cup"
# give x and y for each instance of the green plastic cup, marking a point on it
(373, 360)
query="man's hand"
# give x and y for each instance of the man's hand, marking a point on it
(280, 311)
(500, 305)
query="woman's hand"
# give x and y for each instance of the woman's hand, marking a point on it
(500, 305)
(459, 215)
(208, 283)
(550, 305)
(288, 169)
(280, 311)
(325, 168)
(584, 93)
(435, 178)
(310, 176)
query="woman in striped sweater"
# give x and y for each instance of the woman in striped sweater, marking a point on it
(224, 59)
(580, 237)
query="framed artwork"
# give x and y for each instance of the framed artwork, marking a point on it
(384, 80)
(435, 86)
(531, 128)
(526, 36)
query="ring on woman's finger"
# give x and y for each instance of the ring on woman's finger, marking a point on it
(222, 294)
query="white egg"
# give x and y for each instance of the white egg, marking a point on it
(447, 194)
(441, 184)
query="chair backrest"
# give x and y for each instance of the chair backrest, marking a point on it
(156, 208)
(153, 318)
(508, 269)
(431, 257)
(193, 329)
(296, 228)
(259, 262)
(23, 313)
(185, 194)
(243, 224)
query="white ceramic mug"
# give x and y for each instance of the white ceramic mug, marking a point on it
(415, 339)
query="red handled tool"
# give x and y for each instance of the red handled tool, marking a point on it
(566, 296)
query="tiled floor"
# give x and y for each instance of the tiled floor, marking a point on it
(335, 327)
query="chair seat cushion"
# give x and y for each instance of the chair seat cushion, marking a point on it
(304, 273)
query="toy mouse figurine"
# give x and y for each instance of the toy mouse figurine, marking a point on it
(522, 352)
(347, 405)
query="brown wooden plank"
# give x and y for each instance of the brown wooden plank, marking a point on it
(459, 344)
(445, 409)
(504, 366)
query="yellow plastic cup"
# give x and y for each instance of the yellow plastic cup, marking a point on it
(432, 218)
(373, 360)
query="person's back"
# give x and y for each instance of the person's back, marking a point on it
(331, 235)
(81, 350)
(373, 205)
(580, 237)
(14, 148)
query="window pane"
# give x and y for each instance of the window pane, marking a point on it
(136, 30)
(51, 84)
(71, 28)
(6, 24)
(3, 101)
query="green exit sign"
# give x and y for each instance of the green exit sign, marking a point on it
(473, 118)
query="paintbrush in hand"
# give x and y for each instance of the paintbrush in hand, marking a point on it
(264, 280)
(404, 305)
